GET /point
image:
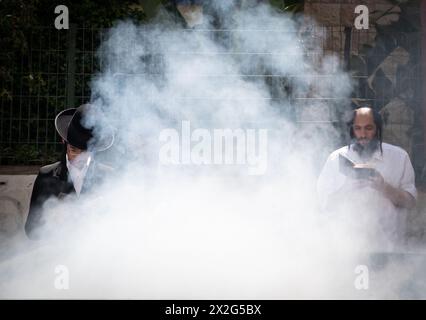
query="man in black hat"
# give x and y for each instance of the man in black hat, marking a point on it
(76, 172)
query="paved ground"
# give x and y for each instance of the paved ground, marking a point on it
(15, 192)
(21, 170)
(16, 184)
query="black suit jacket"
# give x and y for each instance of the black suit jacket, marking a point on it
(53, 181)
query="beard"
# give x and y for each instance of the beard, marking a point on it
(81, 160)
(366, 151)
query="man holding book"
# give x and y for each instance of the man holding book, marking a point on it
(369, 181)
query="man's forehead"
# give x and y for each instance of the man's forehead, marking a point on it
(364, 115)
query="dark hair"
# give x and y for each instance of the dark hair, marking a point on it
(378, 121)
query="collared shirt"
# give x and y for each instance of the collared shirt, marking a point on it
(396, 169)
(78, 173)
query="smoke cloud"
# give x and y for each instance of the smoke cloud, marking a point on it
(244, 225)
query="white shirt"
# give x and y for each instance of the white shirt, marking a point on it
(395, 167)
(78, 172)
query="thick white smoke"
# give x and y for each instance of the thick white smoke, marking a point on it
(213, 230)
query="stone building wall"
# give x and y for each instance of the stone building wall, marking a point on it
(332, 17)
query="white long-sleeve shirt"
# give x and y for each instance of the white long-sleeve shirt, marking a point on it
(369, 207)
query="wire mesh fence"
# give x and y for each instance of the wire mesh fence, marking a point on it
(55, 74)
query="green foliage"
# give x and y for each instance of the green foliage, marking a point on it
(18, 17)
(33, 70)
(28, 154)
(19, 154)
(27, 84)
(288, 6)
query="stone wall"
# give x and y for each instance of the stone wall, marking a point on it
(380, 83)
(341, 12)
(332, 17)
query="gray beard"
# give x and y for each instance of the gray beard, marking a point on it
(366, 151)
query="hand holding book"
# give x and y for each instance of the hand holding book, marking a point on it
(356, 170)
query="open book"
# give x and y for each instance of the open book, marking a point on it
(355, 170)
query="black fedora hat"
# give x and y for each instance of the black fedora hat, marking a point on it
(70, 127)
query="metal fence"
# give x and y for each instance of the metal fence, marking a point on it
(54, 75)
(56, 72)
